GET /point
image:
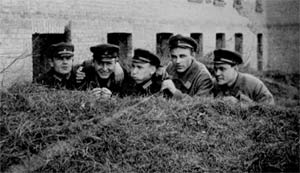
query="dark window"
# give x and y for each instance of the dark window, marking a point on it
(197, 1)
(258, 6)
(162, 46)
(199, 39)
(219, 3)
(237, 4)
(238, 41)
(124, 41)
(220, 40)
(260, 52)
(40, 45)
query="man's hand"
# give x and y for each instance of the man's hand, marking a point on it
(119, 73)
(169, 84)
(106, 93)
(230, 99)
(79, 75)
(101, 93)
(244, 98)
(160, 71)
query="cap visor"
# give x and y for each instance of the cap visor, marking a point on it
(224, 62)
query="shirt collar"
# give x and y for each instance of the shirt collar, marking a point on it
(61, 77)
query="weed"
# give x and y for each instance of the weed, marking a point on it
(44, 130)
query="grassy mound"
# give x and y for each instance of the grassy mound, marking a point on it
(45, 130)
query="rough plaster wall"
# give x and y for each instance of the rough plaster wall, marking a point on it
(284, 48)
(93, 19)
(283, 26)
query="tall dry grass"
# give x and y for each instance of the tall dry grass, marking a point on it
(44, 130)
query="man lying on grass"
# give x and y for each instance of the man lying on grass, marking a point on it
(144, 79)
(60, 76)
(102, 75)
(189, 77)
(63, 75)
(236, 86)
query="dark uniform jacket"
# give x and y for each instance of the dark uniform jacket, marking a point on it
(147, 88)
(248, 86)
(92, 80)
(55, 80)
(195, 81)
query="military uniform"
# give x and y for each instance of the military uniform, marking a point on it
(196, 80)
(147, 88)
(92, 79)
(151, 86)
(246, 87)
(53, 79)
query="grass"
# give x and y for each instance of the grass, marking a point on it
(44, 130)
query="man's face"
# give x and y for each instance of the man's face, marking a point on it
(142, 72)
(182, 58)
(225, 73)
(105, 67)
(62, 65)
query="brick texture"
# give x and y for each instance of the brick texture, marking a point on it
(91, 20)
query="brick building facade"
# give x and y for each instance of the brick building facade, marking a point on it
(267, 39)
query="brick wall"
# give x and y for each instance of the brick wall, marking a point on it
(91, 20)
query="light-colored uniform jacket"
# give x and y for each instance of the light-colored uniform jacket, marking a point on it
(196, 80)
(246, 85)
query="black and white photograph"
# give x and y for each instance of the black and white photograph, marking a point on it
(144, 86)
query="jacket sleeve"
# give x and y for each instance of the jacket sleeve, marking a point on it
(262, 94)
(204, 85)
(42, 79)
